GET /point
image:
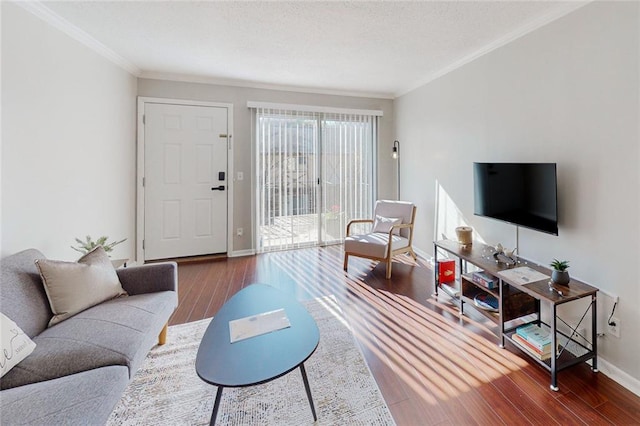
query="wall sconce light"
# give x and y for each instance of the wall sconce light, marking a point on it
(395, 154)
(396, 150)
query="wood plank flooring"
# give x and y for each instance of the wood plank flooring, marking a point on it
(432, 367)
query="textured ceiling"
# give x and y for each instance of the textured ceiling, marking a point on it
(382, 48)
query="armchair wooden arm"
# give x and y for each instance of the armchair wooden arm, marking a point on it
(401, 226)
(357, 221)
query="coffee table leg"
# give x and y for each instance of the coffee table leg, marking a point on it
(216, 405)
(308, 389)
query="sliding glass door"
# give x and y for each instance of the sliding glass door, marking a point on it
(287, 179)
(315, 172)
(347, 172)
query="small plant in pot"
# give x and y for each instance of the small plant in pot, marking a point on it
(88, 244)
(560, 275)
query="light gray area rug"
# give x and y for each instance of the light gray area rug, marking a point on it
(167, 391)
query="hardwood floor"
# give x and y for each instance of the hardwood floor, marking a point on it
(432, 367)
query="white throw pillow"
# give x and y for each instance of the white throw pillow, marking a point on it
(384, 224)
(73, 287)
(16, 345)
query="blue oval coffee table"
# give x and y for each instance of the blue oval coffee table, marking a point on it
(261, 358)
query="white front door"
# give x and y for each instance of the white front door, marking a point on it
(185, 163)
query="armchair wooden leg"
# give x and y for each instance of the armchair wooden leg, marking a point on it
(389, 267)
(346, 261)
(162, 338)
(413, 254)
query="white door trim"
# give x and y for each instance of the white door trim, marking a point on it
(140, 173)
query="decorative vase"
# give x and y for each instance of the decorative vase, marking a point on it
(560, 277)
(465, 235)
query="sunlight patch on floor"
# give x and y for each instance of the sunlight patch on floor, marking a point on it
(434, 353)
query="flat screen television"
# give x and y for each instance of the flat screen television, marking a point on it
(523, 194)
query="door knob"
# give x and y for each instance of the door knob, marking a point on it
(218, 188)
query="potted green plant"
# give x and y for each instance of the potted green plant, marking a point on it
(88, 244)
(560, 275)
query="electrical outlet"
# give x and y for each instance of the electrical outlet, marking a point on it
(613, 327)
(240, 232)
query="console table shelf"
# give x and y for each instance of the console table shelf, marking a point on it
(518, 303)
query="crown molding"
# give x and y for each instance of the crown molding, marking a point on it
(153, 75)
(49, 16)
(38, 9)
(507, 38)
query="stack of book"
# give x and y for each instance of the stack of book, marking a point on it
(534, 340)
(484, 279)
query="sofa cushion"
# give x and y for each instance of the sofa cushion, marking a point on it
(16, 345)
(79, 399)
(72, 287)
(117, 332)
(149, 278)
(23, 297)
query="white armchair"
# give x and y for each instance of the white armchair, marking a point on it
(391, 234)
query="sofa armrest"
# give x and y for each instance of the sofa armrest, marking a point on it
(149, 278)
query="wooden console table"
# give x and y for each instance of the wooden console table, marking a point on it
(518, 302)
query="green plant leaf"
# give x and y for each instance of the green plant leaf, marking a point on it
(559, 265)
(88, 245)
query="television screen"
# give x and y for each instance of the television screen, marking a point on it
(524, 194)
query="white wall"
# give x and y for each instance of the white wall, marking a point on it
(238, 96)
(68, 141)
(566, 93)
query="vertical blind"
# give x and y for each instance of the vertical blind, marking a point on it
(315, 171)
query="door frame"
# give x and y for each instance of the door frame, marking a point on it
(140, 171)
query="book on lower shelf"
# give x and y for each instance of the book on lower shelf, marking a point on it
(522, 340)
(543, 356)
(535, 335)
(484, 279)
(452, 289)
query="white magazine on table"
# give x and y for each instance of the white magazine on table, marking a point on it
(523, 275)
(255, 325)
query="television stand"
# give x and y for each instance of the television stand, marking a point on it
(519, 302)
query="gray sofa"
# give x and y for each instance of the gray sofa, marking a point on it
(81, 366)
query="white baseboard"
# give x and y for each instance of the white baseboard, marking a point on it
(423, 254)
(240, 253)
(619, 376)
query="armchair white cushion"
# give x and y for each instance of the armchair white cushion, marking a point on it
(384, 224)
(391, 234)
